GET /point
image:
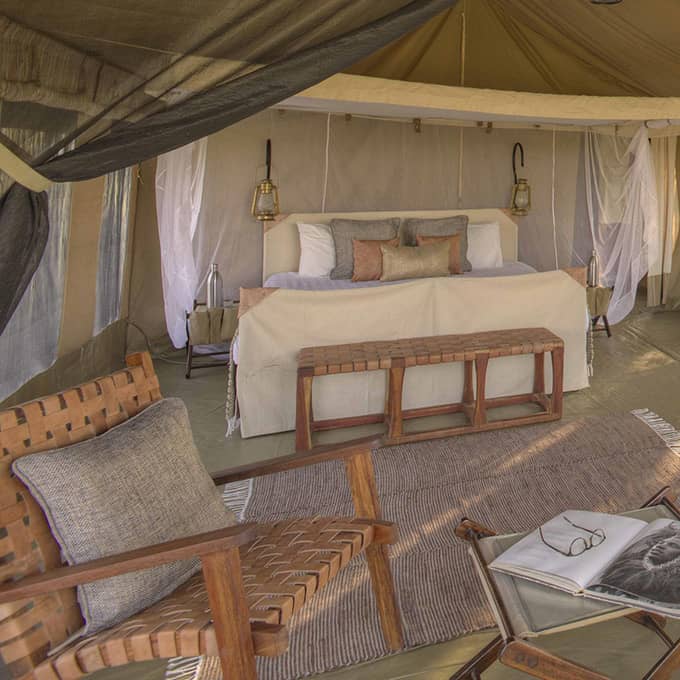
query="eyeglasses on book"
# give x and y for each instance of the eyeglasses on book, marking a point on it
(580, 544)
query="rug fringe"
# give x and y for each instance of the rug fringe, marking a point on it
(194, 668)
(236, 497)
(183, 668)
(664, 429)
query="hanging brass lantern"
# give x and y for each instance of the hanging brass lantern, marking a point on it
(521, 191)
(265, 205)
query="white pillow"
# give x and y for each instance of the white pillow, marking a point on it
(484, 245)
(317, 250)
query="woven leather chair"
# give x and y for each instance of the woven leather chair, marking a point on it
(254, 577)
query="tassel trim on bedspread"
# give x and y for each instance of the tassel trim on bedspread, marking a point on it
(664, 429)
(231, 410)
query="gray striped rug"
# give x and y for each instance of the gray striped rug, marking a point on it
(509, 479)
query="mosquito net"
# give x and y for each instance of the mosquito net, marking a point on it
(129, 80)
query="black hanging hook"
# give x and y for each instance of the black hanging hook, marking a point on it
(268, 158)
(521, 158)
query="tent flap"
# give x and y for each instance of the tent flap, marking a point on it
(24, 228)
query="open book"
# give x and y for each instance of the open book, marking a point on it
(637, 563)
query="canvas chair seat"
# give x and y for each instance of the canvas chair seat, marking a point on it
(282, 569)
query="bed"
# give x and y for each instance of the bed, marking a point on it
(292, 311)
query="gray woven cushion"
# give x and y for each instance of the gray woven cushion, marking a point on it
(442, 226)
(345, 230)
(138, 484)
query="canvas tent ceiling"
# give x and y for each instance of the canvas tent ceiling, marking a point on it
(566, 47)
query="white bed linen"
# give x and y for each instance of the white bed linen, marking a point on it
(293, 280)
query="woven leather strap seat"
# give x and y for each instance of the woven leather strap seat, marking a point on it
(434, 349)
(282, 569)
(475, 350)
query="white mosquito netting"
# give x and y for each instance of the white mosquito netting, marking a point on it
(621, 199)
(179, 194)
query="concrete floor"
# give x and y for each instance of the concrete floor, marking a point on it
(638, 367)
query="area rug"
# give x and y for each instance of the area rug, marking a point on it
(511, 480)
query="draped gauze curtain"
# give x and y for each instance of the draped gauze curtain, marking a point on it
(621, 198)
(664, 151)
(113, 239)
(179, 195)
(30, 341)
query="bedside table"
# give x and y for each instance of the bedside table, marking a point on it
(598, 303)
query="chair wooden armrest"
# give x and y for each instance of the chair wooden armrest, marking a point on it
(134, 560)
(319, 454)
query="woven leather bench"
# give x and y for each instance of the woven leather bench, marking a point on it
(395, 356)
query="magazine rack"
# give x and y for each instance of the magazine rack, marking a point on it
(512, 647)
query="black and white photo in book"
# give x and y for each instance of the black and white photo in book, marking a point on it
(648, 570)
(614, 558)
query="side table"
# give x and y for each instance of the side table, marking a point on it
(525, 610)
(598, 304)
(210, 327)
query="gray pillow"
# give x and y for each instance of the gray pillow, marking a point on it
(345, 230)
(138, 484)
(442, 226)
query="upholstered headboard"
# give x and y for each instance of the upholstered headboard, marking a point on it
(281, 252)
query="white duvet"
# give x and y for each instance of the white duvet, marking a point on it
(293, 280)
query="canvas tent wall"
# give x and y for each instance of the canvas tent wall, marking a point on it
(100, 64)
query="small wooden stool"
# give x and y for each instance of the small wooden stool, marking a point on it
(395, 356)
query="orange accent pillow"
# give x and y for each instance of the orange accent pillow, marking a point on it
(368, 258)
(454, 257)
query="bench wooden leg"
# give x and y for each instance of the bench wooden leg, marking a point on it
(481, 363)
(557, 356)
(303, 413)
(361, 478)
(539, 373)
(395, 387)
(229, 608)
(468, 390)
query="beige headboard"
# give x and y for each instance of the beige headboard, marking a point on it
(281, 252)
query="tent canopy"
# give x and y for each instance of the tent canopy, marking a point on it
(568, 47)
(93, 72)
